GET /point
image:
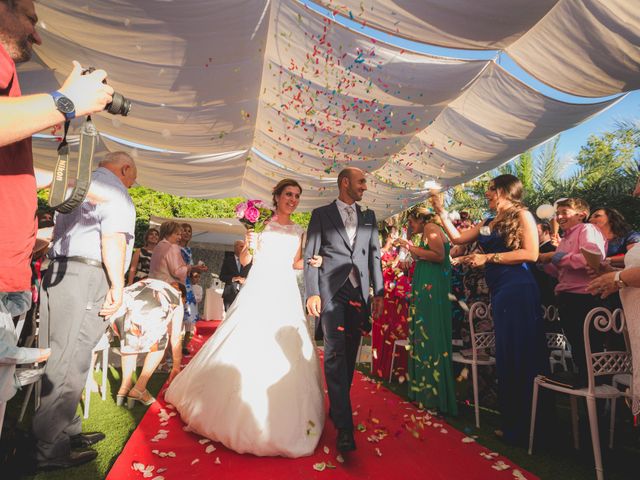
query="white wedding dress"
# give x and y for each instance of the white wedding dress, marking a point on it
(256, 384)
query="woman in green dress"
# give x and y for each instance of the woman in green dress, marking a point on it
(430, 369)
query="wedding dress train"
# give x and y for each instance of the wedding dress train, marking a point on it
(256, 385)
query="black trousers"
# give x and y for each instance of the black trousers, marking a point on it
(342, 320)
(573, 309)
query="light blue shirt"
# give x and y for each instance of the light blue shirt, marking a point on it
(108, 208)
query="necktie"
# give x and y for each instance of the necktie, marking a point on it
(351, 226)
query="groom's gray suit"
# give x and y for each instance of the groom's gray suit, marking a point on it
(345, 308)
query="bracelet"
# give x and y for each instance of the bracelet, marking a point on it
(495, 258)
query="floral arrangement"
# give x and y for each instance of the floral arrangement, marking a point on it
(254, 215)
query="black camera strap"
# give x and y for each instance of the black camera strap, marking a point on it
(88, 140)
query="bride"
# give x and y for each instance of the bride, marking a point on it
(256, 386)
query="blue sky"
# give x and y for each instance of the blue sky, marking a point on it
(627, 109)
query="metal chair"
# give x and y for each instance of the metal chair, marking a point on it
(598, 364)
(104, 347)
(557, 342)
(21, 372)
(403, 342)
(479, 341)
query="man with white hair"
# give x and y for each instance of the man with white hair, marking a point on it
(83, 286)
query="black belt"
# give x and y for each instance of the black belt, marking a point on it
(85, 260)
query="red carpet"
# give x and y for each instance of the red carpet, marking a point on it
(397, 441)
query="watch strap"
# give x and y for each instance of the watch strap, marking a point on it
(56, 95)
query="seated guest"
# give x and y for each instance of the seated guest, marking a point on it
(570, 266)
(141, 259)
(151, 313)
(620, 238)
(233, 274)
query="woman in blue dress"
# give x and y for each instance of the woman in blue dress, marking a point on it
(509, 240)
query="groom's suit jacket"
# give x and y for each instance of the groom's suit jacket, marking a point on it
(327, 236)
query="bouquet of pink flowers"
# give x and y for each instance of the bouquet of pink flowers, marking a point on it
(253, 214)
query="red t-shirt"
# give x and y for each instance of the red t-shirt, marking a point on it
(18, 200)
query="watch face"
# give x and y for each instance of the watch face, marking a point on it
(65, 105)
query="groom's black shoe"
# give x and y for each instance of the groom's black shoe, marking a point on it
(75, 458)
(84, 440)
(346, 442)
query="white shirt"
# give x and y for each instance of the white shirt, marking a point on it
(79, 232)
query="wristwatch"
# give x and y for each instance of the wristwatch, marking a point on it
(64, 105)
(619, 282)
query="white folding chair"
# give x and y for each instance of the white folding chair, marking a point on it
(401, 342)
(104, 347)
(479, 341)
(598, 364)
(364, 351)
(559, 349)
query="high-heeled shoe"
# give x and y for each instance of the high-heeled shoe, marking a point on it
(144, 397)
(120, 396)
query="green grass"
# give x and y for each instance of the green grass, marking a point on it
(551, 460)
(556, 458)
(118, 423)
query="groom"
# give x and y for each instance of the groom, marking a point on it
(338, 292)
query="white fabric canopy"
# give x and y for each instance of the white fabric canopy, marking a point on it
(233, 95)
(588, 48)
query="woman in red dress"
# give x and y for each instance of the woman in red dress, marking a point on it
(392, 324)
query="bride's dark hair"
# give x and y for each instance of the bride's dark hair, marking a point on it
(282, 184)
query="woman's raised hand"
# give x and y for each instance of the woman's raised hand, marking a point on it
(436, 200)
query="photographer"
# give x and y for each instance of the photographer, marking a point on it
(20, 117)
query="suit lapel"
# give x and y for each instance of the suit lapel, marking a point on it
(336, 219)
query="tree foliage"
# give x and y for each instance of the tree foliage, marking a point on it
(603, 173)
(151, 202)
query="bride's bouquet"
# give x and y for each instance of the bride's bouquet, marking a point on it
(254, 215)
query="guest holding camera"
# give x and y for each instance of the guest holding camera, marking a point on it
(21, 117)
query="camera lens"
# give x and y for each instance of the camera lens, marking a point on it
(119, 105)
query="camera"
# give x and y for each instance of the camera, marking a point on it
(120, 105)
